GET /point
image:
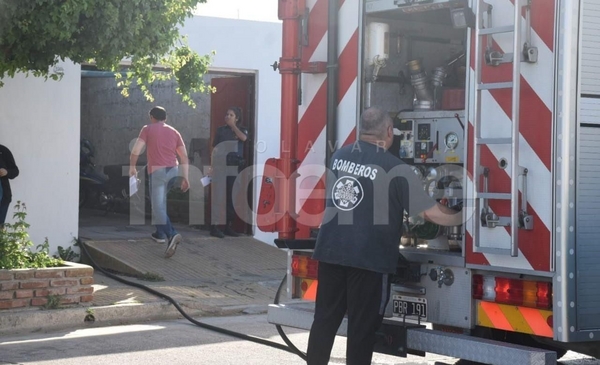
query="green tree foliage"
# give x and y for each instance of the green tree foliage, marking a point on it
(36, 34)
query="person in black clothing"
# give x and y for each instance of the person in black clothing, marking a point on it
(368, 190)
(8, 171)
(226, 162)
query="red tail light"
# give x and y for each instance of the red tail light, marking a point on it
(544, 295)
(305, 267)
(477, 286)
(509, 291)
(533, 294)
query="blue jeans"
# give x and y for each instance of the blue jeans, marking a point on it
(161, 181)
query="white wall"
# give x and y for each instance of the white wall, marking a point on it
(244, 45)
(39, 123)
(263, 10)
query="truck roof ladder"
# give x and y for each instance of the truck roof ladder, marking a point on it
(518, 217)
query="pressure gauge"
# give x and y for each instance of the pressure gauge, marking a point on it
(431, 188)
(451, 140)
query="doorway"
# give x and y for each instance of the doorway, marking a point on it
(236, 90)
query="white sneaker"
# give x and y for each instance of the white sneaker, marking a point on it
(173, 242)
(158, 239)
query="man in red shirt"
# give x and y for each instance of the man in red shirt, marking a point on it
(163, 145)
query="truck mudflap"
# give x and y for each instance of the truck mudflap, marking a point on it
(419, 340)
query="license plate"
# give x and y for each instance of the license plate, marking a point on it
(409, 306)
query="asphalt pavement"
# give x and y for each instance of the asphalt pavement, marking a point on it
(207, 276)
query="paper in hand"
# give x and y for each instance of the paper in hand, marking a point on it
(205, 181)
(133, 187)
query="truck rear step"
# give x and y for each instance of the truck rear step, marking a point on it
(300, 315)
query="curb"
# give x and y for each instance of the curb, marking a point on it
(87, 317)
(28, 321)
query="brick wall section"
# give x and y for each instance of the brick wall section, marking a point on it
(31, 287)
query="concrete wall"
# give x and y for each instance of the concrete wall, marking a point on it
(111, 122)
(39, 122)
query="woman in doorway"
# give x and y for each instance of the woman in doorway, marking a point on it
(226, 162)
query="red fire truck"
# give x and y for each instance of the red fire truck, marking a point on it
(496, 106)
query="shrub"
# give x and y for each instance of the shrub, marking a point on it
(67, 254)
(15, 252)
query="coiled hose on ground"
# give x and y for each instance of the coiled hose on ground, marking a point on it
(289, 348)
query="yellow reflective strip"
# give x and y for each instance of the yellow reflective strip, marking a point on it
(516, 319)
(311, 290)
(482, 317)
(538, 320)
(496, 316)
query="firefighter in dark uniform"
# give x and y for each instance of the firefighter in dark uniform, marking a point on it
(227, 160)
(368, 190)
(8, 171)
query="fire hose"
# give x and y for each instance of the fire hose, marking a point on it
(289, 348)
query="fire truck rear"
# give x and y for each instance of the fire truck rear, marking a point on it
(496, 106)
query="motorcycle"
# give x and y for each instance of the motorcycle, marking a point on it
(109, 190)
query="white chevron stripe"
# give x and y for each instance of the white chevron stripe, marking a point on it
(539, 75)
(310, 83)
(348, 20)
(320, 53)
(498, 124)
(312, 167)
(310, 171)
(539, 179)
(494, 238)
(347, 113)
